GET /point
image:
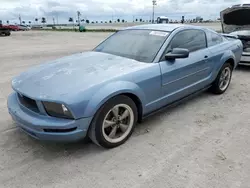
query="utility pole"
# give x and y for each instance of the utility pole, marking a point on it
(20, 19)
(154, 4)
(54, 21)
(79, 21)
(57, 18)
(78, 17)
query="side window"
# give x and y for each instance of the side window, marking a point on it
(214, 38)
(192, 40)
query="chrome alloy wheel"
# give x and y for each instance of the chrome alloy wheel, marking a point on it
(225, 78)
(118, 123)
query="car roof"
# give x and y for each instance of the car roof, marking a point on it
(163, 27)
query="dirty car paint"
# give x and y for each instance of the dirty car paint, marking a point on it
(76, 72)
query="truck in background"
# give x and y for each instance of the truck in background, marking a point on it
(162, 19)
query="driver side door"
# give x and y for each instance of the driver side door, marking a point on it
(184, 76)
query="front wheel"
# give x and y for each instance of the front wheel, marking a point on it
(114, 122)
(223, 79)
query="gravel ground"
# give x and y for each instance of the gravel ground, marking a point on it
(201, 143)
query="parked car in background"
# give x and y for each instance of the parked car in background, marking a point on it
(135, 72)
(13, 27)
(236, 21)
(23, 27)
(36, 27)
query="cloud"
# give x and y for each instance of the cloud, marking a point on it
(100, 9)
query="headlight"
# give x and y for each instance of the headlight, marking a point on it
(57, 110)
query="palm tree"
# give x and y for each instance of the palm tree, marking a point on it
(7, 22)
(43, 20)
(30, 22)
(87, 21)
(23, 22)
(36, 20)
(72, 20)
(118, 20)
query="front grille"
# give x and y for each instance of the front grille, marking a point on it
(28, 103)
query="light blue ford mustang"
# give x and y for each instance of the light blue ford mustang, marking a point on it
(103, 93)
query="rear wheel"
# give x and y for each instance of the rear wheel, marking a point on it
(223, 79)
(114, 122)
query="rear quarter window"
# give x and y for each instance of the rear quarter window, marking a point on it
(213, 38)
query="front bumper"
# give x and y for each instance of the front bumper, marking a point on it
(44, 127)
(245, 58)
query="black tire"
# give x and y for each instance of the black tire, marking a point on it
(216, 85)
(95, 131)
(7, 33)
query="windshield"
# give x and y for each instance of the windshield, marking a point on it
(140, 45)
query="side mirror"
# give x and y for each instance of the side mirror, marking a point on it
(177, 53)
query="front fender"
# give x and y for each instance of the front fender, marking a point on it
(110, 90)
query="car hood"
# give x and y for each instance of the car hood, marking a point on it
(235, 18)
(72, 74)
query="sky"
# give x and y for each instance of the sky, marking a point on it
(105, 10)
